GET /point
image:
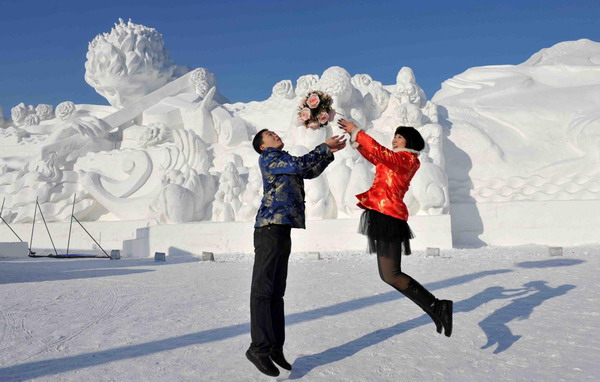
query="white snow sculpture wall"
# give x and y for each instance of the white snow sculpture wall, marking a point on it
(523, 141)
(172, 149)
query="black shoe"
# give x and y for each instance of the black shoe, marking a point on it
(443, 310)
(263, 363)
(278, 357)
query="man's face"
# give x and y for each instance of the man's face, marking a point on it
(271, 139)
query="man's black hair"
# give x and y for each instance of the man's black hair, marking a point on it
(257, 141)
(414, 140)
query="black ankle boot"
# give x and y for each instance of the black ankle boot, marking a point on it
(263, 363)
(278, 357)
(434, 308)
(443, 310)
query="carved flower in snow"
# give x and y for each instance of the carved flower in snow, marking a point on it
(18, 113)
(362, 81)
(32, 120)
(65, 109)
(44, 112)
(128, 63)
(283, 89)
(203, 80)
(306, 83)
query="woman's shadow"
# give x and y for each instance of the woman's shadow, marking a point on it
(494, 326)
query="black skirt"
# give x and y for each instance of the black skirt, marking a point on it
(387, 229)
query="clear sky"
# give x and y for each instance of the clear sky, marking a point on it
(251, 45)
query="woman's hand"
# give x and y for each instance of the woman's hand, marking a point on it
(347, 126)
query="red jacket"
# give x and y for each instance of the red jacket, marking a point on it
(393, 173)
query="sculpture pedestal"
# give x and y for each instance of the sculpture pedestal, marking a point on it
(554, 223)
(237, 237)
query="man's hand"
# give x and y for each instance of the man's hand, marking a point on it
(347, 126)
(335, 143)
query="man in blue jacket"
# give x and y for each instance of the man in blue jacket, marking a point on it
(281, 209)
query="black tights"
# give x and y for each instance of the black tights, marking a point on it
(389, 256)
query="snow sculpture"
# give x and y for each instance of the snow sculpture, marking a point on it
(204, 80)
(229, 195)
(160, 175)
(431, 112)
(336, 81)
(128, 63)
(19, 113)
(65, 110)
(252, 196)
(509, 151)
(407, 90)
(283, 89)
(376, 101)
(44, 112)
(306, 83)
(362, 82)
(157, 153)
(31, 120)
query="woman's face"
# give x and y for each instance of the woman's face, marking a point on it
(398, 142)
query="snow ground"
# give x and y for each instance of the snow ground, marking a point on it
(520, 315)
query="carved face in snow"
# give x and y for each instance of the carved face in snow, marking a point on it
(337, 82)
(409, 115)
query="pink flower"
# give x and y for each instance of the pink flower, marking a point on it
(313, 101)
(331, 114)
(303, 101)
(323, 117)
(304, 114)
(313, 125)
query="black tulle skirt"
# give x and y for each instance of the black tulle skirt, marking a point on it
(387, 230)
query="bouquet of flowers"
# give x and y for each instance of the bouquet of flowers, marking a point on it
(315, 110)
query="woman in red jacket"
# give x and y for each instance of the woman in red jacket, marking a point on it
(384, 219)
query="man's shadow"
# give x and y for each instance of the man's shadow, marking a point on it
(494, 326)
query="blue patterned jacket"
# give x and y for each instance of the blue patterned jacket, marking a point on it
(283, 184)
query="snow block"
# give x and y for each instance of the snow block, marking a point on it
(432, 252)
(14, 249)
(313, 256)
(208, 256)
(555, 251)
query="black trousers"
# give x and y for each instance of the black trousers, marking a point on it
(272, 247)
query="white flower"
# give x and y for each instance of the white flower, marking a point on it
(306, 83)
(44, 111)
(32, 120)
(283, 89)
(362, 81)
(18, 113)
(65, 109)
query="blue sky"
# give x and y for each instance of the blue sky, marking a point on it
(251, 45)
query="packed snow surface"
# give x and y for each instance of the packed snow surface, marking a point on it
(520, 314)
